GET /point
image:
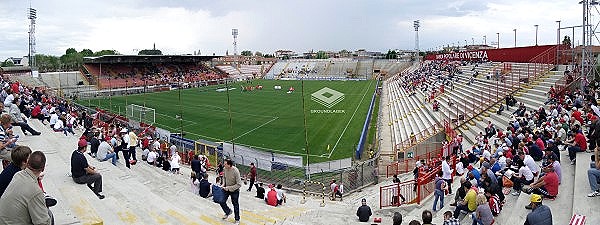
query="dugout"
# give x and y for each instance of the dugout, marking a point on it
(207, 148)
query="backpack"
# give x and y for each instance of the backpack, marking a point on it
(218, 194)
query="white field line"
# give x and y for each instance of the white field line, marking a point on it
(250, 131)
(350, 120)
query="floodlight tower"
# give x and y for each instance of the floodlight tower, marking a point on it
(234, 33)
(417, 24)
(588, 61)
(32, 16)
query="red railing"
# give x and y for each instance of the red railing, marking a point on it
(389, 195)
(393, 194)
(419, 137)
(407, 165)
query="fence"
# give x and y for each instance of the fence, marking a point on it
(365, 130)
(304, 192)
(432, 150)
(391, 195)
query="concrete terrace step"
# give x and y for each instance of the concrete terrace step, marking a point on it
(582, 204)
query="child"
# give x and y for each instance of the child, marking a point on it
(217, 191)
(175, 163)
(194, 183)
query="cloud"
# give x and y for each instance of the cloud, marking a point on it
(186, 26)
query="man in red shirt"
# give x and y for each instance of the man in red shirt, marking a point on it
(252, 176)
(578, 144)
(271, 197)
(547, 185)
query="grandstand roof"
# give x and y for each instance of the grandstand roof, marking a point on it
(147, 58)
(15, 68)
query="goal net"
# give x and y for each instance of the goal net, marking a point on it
(141, 114)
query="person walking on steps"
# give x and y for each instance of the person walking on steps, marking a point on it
(231, 187)
(252, 176)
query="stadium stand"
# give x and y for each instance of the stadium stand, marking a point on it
(131, 71)
(337, 68)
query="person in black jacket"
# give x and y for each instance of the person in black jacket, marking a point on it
(204, 188)
(364, 211)
(195, 165)
(260, 191)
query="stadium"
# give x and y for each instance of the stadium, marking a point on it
(511, 130)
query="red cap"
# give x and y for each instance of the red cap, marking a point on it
(82, 143)
(470, 167)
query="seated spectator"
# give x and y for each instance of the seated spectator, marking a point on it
(468, 204)
(364, 211)
(460, 193)
(483, 213)
(152, 155)
(106, 152)
(547, 185)
(260, 191)
(525, 176)
(82, 172)
(194, 183)
(7, 140)
(281, 198)
(427, 217)
(271, 198)
(540, 214)
(577, 144)
(530, 163)
(175, 159)
(397, 218)
(18, 119)
(23, 201)
(204, 186)
(449, 219)
(19, 162)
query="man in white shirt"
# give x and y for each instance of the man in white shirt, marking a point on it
(156, 144)
(529, 162)
(53, 118)
(280, 195)
(447, 173)
(152, 155)
(106, 152)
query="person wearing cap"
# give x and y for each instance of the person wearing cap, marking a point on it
(540, 214)
(552, 147)
(105, 152)
(364, 211)
(271, 198)
(82, 172)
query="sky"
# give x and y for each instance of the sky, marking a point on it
(186, 26)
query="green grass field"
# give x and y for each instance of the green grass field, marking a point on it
(268, 119)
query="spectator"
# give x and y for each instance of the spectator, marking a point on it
(132, 145)
(152, 155)
(483, 213)
(439, 192)
(414, 222)
(217, 192)
(364, 212)
(260, 191)
(94, 145)
(19, 162)
(460, 193)
(231, 187)
(525, 176)
(468, 204)
(252, 176)
(547, 185)
(194, 183)
(105, 152)
(577, 144)
(82, 172)
(540, 214)
(204, 186)
(195, 166)
(18, 119)
(447, 174)
(281, 198)
(6, 137)
(530, 163)
(175, 159)
(397, 219)
(426, 217)
(449, 219)
(271, 198)
(24, 201)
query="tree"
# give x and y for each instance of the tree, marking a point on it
(268, 56)
(259, 54)
(150, 52)
(322, 55)
(106, 52)
(70, 51)
(567, 41)
(391, 54)
(246, 53)
(86, 52)
(47, 63)
(7, 63)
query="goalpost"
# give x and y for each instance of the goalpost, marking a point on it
(141, 114)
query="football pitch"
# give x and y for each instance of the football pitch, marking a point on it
(268, 119)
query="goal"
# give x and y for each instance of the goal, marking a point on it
(141, 114)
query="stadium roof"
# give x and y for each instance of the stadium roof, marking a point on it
(147, 58)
